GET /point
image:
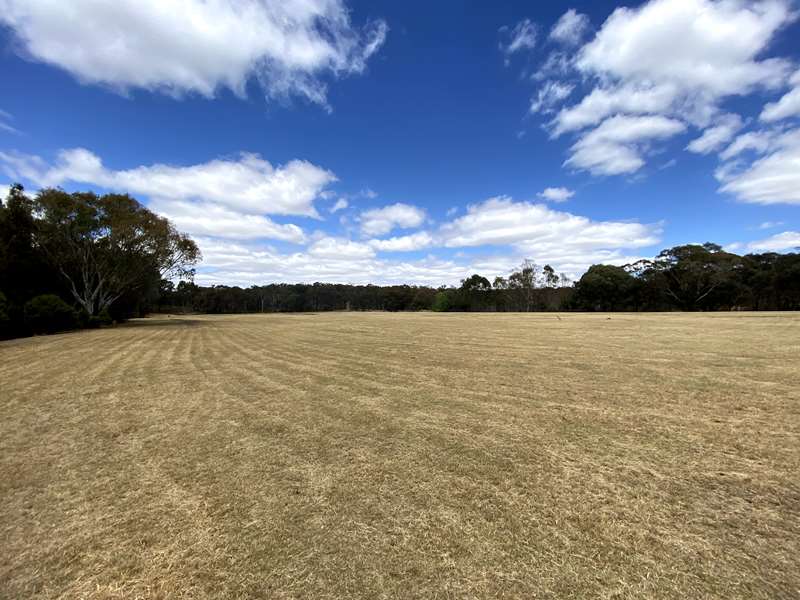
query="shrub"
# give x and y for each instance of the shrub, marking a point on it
(5, 320)
(441, 302)
(48, 314)
(101, 320)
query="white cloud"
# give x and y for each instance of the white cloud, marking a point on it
(341, 204)
(247, 183)
(617, 145)
(521, 37)
(329, 247)
(240, 264)
(639, 98)
(404, 243)
(787, 106)
(770, 224)
(780, 242)
(570, 243)
(223, 198)
(714, 137)
(707, 48)
(756, 141)
(559, 194)
(380, 221)
(4, 190)
(771, 179)
(674, 59)
(549, 94)
(209, 219)
(570, 28)
(540, 229)
(288, 46)
(557, 64)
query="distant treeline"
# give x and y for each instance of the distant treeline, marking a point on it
(690, 278)
(83, 260)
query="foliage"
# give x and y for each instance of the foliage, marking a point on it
(49, 314)
(441, 303)
(606, 288)
(103, 319)
(107, 253)
(106, 246)
(5, 319)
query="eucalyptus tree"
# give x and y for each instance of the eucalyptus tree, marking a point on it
(106, 246)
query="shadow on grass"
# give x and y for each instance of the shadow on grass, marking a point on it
(163, 321)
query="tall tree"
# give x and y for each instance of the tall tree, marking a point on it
(22, 271)
(691, 273)
(105, 246)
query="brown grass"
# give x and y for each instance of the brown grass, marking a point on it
(404, 456)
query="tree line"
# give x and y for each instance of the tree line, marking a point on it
(689, 278)
(71, 260)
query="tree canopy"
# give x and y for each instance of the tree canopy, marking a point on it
(99, 253)
(105, 246)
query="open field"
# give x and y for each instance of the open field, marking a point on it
(404, 455)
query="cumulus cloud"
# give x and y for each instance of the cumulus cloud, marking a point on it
(559, 194)
(241, 264)
(780, 242)
(617, 145)
(568, 242)
(673, 59)
(380, 221)
(340, 248)
(404, 243)
(223, 197)
(542, 232)
(521, 37)
(245, 183)
(570, 28)
(289, 46)
(602, 102)
(772, 178)
(707, 48)
(715, 137)
(209, 219)
(756, 141)
(787, 106)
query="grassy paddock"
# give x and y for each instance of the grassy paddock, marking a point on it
(404, 455)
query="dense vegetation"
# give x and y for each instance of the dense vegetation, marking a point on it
(83, 260)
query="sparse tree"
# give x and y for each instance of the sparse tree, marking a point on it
(524, 283)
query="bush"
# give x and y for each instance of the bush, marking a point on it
(48, 314)
(5, 320)
(441, 303)
(101, 320)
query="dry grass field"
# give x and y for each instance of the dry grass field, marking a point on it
(404, 456)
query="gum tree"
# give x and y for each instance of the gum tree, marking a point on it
(105, 246)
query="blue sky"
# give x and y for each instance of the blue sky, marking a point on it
(406, 142)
